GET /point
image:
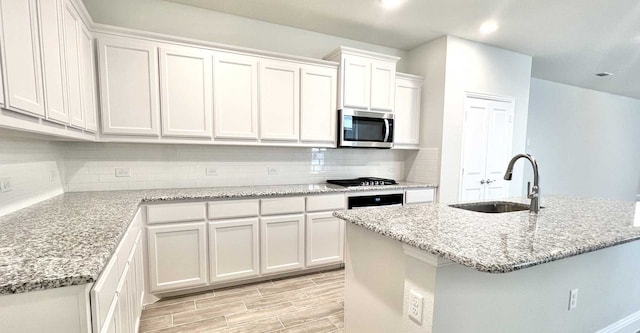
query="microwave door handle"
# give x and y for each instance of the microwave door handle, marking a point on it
(386, 130)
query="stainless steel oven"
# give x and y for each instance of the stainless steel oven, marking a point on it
(365, 129)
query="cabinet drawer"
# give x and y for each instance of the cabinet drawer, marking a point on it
(419, 196)
(104, 291)
(233, 208)
(282, 206)
(319, 203)
(180, 212)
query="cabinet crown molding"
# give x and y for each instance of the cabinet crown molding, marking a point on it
(333, 55)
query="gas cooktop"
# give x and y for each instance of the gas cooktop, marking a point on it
(362, 181)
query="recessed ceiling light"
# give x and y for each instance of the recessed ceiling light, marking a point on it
(603, 74)
(391, 4)
(488, 27)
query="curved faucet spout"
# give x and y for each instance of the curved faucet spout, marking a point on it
(533, 193)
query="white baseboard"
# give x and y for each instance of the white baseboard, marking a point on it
(630, 323)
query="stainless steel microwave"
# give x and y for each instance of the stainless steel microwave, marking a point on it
(365, 129)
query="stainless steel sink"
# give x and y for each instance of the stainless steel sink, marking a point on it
(492, 207)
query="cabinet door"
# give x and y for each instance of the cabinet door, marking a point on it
(71, 24)
(279, 101)
(124, 301)
(128, 74)
(281, 243)
(139, 281)
(233, 249)
(325, 239)
(407, 113)
(2, 103)
(235, 97)
(383, 82)
(53, 60)
(21, 56)
(318, 107)
(88, 79)
(112, 323)
(186, 83)
(177, 256)
(356, 82)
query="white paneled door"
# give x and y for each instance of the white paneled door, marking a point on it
(234, 249)
(282, 243)
(235, 97)
(72, 25)
(383, 79)
(406, 131)
(129, 86)
(318, 104)
(325, 239)
(356, 82)
(487, 143)
(279, 101)
(186, 91)
(51, 38)
(21, 56)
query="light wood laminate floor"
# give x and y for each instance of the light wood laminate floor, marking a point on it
(308, 303)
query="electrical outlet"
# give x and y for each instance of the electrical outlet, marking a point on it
(210, 172)
(272, 171)
(415, 306)
(53, 176)
(573, 299)
(123, 172)
(5, 184)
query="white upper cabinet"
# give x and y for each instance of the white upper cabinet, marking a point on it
(71, 23)
(279, 101)
(367, 79)
(383, 79)
(186, 92)
(53, 58)
(407, 111)
(1, 84)
(21, 56)
(235, 97)
(88, 79)
(128, 76)
(356, 85)
(318, 104)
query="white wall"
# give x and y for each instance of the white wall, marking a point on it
(34, 168)
(91, 166)
(587, 142)
(193, 22)
(536, 299)
(452, 67)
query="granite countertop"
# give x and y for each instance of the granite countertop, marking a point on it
(501, 243)
(67, 240)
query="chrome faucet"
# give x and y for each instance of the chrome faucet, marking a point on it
(533, 193)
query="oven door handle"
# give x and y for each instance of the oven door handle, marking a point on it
(386, 130)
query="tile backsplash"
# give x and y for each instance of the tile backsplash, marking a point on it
(33, 168)
(104, 166)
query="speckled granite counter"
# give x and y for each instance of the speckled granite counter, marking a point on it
(67, 240)
(500, 243)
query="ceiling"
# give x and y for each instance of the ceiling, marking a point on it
(569, 40)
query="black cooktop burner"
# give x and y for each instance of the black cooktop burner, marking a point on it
(362, 181)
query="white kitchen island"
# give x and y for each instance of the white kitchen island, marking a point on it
(478, 272)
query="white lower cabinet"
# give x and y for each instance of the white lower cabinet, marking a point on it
(116, 297)
(234, 249)
(177, 256)
(281, 243)
(325, 239)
